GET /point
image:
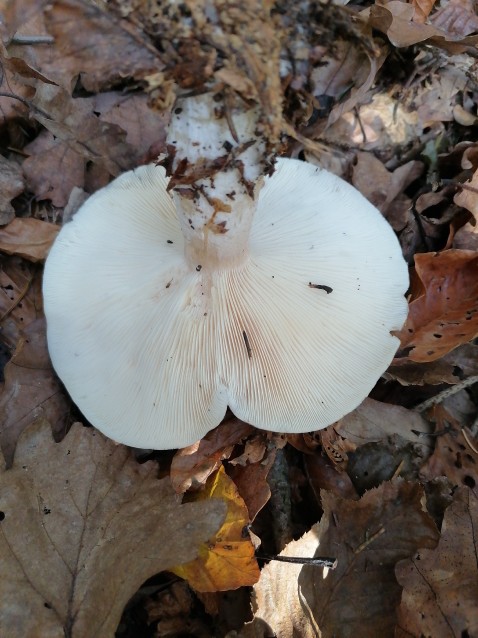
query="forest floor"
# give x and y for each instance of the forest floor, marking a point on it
(96, 539)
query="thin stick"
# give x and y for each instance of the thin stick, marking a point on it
(32, 39)
(316, 561)
(448, 392)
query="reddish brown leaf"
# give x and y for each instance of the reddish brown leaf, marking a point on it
(440, 585)
(192, 465)
(28, 238)
(443, 311)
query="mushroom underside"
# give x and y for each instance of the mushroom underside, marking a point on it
(153, 351)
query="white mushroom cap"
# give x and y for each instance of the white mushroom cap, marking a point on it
(153, 350)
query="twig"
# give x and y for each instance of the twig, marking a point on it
(369, 540)
(316, 561)
(32, 39)
(444, 394)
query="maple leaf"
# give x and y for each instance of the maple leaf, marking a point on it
(227, 560)
(82, 526)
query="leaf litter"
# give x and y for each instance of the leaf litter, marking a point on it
(384, 95)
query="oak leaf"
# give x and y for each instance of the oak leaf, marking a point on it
(227, 560)
(359, 597)
(82, 527)
(440, 587)
(12, 184)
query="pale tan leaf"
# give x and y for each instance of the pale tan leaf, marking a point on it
(82, 526)
(28, 238)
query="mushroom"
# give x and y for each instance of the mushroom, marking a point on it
(283, 310)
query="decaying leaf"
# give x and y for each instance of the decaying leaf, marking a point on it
(455, 454)
(53, 169)
(443, 311)
(91, 42)
(373, 421)
(227, 560)
(31, 391)
(28, 238)
(12, 184)
(82, 527)
(192, 465)
(440, 587)
(359, 597)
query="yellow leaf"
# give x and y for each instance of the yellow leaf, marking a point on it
(227, 560)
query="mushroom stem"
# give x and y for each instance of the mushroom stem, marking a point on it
(216, 160)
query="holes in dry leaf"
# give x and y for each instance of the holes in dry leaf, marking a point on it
(469, 481)
(47, 605)
(437, 336)
(2, 516)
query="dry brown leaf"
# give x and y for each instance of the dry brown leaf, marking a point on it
(322, 474)
(20, 298)
(443, 311)
(53, 169)
(144, 126)
(395, 19)
(31, 391)
(90, 43)
(12, 184)
(440, 587)
(74, 123)
(28, 238)
(422, 9)
(468, 196)
(455, 366)
(374, 421)
(455, 454)
(83, 526)
(192, 465)
(227, 560)
(385, 188)
(457, 16)
(359, 597)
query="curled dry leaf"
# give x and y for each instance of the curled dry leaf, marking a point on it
(192, 465)
(12, 184)
(440, 588)
(395, 19)
(359, 597)
(460, 363)
(28, 238)
(82, 527)
(227, 560)
(443, 310)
